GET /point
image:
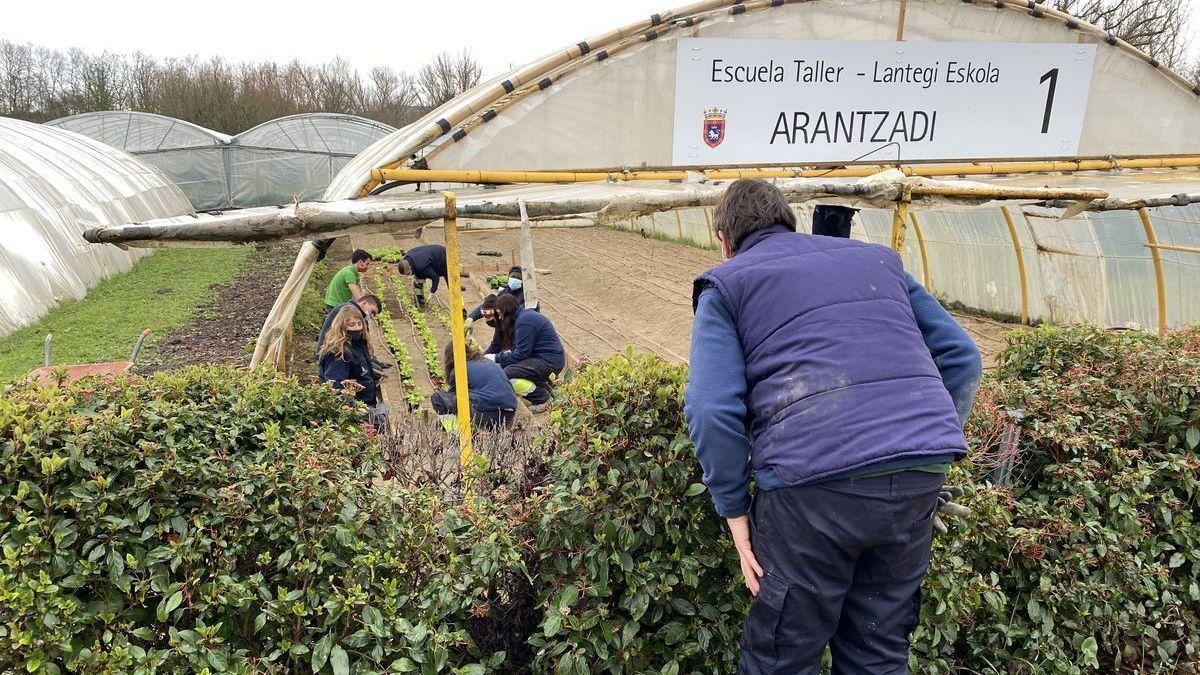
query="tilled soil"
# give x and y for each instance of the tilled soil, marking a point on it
(225, 328)
(608, 290)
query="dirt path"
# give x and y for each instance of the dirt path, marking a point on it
(608, 290)
(225, 328)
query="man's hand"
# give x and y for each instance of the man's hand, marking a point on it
(947, 506)
(490, 357)
(739, 527)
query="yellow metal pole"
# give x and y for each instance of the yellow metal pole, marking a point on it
(1156, 258)
(921, 244)
(457, 334)
(899, 215)
(1016, 241)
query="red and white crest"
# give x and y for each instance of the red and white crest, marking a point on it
(714, 127)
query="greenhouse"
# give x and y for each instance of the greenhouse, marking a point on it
(53, 183)
(611, 106)
(276, 162)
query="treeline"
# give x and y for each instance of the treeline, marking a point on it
(40, 84)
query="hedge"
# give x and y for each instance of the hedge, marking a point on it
(224, 520)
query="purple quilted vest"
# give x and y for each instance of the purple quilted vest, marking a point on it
(838, 376)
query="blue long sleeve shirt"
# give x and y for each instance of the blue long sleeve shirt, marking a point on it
(715, 403)
(533, 337)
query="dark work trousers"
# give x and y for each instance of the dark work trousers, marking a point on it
(844, 562)
(419, 290)
(536, 371)
(445, 403)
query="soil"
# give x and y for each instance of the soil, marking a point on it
(225, 328)
(607, 290)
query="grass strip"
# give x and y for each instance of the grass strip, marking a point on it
(162, 291)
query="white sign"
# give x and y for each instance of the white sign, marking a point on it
(751, 101)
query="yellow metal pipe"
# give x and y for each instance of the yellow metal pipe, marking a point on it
(457, 331)
(1012, 232)
(1156, 258)
(921, 246)
(1174, 247)
(928, 170)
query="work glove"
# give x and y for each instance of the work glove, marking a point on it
(490, 357)
(947, 506)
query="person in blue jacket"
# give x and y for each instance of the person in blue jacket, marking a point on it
(527, 347)
(845, 403)
(493, 402)
(344, 362)
(424, 263)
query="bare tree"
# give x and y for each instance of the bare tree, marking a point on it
(1157, 27)
(448, 75)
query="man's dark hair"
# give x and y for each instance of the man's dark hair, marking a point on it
(489, 302)
(515, 271)
(359, 255)
(749, 205)
(374, 300)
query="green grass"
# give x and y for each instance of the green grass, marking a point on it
(162, 292)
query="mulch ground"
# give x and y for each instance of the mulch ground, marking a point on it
(225, 328)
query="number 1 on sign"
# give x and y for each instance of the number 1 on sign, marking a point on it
(1051, 75)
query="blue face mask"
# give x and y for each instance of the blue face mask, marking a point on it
(514, 284)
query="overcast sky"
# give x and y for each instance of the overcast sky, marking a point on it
(402, 34)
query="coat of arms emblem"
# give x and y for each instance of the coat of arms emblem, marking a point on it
(714, 127)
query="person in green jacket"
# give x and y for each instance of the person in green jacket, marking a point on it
(345, 287)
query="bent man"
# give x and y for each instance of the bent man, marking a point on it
(424, 263)
(848, 400)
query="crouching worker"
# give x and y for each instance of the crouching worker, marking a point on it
(344, 362)
(527, 347)
(848, 400)
(493, 402)
(424, 263)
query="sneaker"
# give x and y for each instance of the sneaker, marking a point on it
(537, 408)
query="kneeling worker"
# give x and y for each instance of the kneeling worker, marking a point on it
(344, 361)
(527, 347)
(848, 401)
(493, 402)
(424, 263)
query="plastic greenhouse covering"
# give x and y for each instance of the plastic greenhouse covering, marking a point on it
(52, 184)
(273, 163)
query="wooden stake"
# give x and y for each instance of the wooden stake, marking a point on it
(528, 270)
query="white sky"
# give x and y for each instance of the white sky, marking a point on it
(402, 33)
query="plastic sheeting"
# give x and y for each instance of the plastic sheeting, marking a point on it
(53, 183)
(619, 112)
(276, 162)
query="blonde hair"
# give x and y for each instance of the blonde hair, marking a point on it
(336, 341)
(473, 354)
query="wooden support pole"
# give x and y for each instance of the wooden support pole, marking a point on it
(457, 334)
(679, 224)
(712, 240)
(921, 244)
(1156, 258)
(1174, 247)
(1016, 242)
(899, 217)
(528, 268)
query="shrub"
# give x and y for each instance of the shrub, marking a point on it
(1089, 562)
(217, 519)
(635, 572)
